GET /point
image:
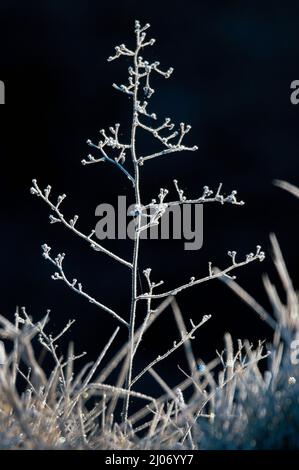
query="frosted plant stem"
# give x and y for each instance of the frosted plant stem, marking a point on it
(59, 217)
(134, 294)
(111, 366)
(172, 141)
(176, 345)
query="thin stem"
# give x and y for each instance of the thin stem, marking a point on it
(137, 233)
(184, 338)
(157, 154)
(111, 366)
(55, 208)
(148, 313)
(110, 160)
(75, 285)
(212, 275)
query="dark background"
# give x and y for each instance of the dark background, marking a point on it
(234, 62)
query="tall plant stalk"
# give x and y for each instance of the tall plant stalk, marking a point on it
(146, 215)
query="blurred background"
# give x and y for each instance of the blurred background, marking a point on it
(233, 65)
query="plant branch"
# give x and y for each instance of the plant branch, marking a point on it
(75, 285)
(59, 217)
(207, 196)
(114, 143)
(166, 141)
(176, 345)
(259, 255)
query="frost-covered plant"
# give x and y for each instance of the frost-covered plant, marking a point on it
(259, 409)
(232, 402)
(111, 149)
(229, 403)
(63, 410)
(254, 409)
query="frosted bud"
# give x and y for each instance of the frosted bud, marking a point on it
(206, 317)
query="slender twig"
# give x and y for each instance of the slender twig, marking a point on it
(71, 225)
(108, 159)
(212, 275)
(110, 367)
(74, 285)
(160, 358)
(182, 327)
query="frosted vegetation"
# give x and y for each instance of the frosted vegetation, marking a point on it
(231, 402)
